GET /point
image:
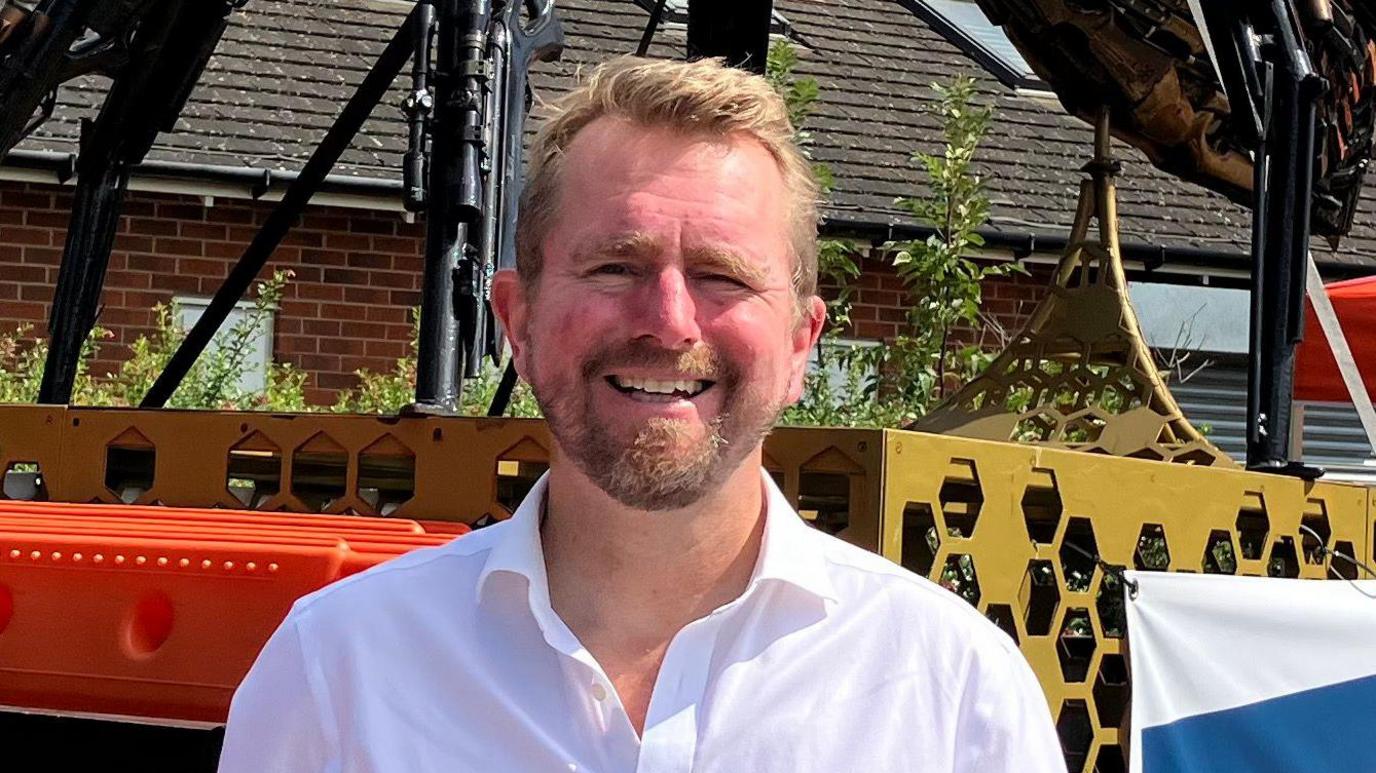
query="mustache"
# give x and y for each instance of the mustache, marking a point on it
(701, 362)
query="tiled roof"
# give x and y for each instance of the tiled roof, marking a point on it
(285, 67)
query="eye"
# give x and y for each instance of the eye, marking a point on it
(611, 269)
(726, 279)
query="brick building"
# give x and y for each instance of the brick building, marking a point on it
(284, 68)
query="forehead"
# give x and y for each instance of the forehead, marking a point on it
(621, 178)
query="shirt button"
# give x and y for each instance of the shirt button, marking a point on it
(599, 693)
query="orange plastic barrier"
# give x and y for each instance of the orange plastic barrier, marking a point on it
(217, 515)
(158, 613)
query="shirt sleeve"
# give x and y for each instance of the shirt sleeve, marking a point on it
(1005, 724)
(275, 719)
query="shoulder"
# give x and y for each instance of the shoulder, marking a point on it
(911, 608)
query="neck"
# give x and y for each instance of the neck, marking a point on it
(614, 569)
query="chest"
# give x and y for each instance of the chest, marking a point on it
(787, 707)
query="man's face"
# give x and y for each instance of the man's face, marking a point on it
(663, 336)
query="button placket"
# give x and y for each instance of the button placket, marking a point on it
(669, 743)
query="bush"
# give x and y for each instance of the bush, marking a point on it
(213, 382)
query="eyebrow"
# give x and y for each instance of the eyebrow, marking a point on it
(729, 262)
(630, 245)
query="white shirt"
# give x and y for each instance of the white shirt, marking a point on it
(451, 659)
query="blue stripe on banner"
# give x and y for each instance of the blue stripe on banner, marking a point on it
(1314, 730)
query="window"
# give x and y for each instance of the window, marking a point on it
(259, 357)
(844, 383)
(964, 24)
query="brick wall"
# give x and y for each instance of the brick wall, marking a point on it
(880, 311)
(357, 275)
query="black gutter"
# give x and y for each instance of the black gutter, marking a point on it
(260, 181)
(834, 225)
(1024, 243)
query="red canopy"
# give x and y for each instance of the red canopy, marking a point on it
(1316, 372)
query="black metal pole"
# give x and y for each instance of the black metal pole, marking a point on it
(95, 217)
(1284, 196)
(451, 294)
(736, 30)
(284, 215)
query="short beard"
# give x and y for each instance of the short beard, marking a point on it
(660, 469)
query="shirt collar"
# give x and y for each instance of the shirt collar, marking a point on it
(791, 552)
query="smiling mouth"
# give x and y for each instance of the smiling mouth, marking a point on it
(657, 390)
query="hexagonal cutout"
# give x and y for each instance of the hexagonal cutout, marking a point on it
(1109, 759)
(1342, 563)
(958, 576)
(1039, 597)
(1252, 526)
(1084, 429)
(1219, 555)
(1076, 733)
(1075, 644)
(1315, 519)
(1284, 560)
(1112, 607)
(1002, 616)
(1111, 689)
(253, 471)
(517, 470)
(1150, 453)
(386, 474)
(921, 538)
(827, 484)
(961, 498)
(1037, 427)
(131, 461)
(319, 472)
(1152, 553)
(24, 481)
(1079, 555)
(1041, 506)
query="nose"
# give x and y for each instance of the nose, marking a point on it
(668, 313)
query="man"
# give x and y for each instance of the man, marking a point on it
(654, 604)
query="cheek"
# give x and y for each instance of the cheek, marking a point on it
(756, 343)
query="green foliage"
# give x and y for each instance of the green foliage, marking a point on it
(908, 376)
(836, 259)
(213, 382)
(21, 367)
(391, 391)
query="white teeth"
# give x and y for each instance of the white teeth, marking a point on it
(659, 387)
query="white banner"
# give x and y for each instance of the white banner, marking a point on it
(1251, 674)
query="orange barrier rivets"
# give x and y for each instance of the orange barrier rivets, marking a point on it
(229, 566)
(119, 559)
(205, 564)
(252, 567)
(141, 560)
(15, 553)
(185, 562)
(162, 560)
(35, 555)
(98, 558)
(77, 556)
(272, 567)
(57, 555)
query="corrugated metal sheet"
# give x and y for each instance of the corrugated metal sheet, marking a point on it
(1215, 399)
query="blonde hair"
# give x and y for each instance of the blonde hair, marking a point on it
(704, 97)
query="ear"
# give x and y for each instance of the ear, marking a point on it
(509, 304)
(805, 335)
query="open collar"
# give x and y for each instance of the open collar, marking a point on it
(791, 552)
